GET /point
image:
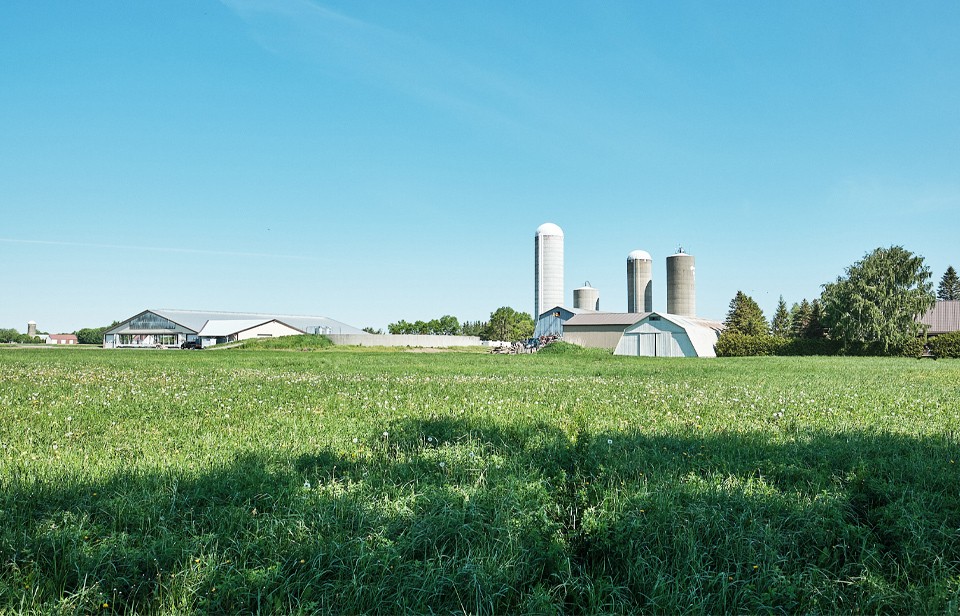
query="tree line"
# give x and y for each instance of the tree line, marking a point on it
(872, 309)
(504, 323)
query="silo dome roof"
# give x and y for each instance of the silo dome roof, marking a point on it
(639, 255)
(548, 228)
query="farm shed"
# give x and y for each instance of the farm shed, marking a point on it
(220, 331)
(943, 318)
(550, 323)
(171, 328)
(598, 330)
(62, 339)
(668, 335)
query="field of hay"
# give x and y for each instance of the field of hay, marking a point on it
(342, 481)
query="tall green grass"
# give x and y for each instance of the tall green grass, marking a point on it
(346, 482)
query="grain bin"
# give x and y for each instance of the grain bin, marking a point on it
(586, 297)
(639, 281)
(548, 268)
(681, 284)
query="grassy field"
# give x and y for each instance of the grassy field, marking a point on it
(352, 482)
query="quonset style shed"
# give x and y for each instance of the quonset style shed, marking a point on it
(668, 335)
(171, 328)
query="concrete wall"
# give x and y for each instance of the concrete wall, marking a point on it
(402, 340)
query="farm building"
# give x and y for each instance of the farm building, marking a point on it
(598, 330)
(669, 335)
(61, 339)
(943, 318)
(550, 323)
(171, 328)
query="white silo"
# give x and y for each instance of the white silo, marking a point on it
(548, 268)
(639, 281)
(586, 298)
(681, 284)
(31, 328)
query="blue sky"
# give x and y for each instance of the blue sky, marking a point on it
(377, 161)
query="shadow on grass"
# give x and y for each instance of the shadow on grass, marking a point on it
(451, 516)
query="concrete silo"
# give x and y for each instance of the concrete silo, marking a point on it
(586, 297)
(31, 328)
(548, 268)
(639, 281)
(681, 285)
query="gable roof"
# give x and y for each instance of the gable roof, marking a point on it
(561, 309)
(194, 320)
(943, 318)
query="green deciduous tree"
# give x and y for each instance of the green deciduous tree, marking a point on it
(745, 316)
(780, 326)
(949, 287)
(508, 325)
(879, 299)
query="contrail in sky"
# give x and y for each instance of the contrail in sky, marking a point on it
(198, 251)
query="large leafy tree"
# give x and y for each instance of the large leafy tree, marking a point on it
(879, 299)
(949, 287)
(745, 316)
(508, 325)
(780, 325)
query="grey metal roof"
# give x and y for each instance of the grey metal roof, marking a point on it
(195, 320)
(944, 317)
(605, 318)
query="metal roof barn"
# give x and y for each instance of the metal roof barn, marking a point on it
(669, 335)
(598, 330)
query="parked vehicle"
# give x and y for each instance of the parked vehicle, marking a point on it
(192, 344)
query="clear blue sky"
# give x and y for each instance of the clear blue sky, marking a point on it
(377, 161)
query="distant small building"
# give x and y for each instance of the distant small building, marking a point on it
(598, 330)
(659, 334)
(62, 339)
(943, 318)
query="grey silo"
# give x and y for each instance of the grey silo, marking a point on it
(548, 268)
(586, 298)
(681, 284)
(31, 328)
(639, 281)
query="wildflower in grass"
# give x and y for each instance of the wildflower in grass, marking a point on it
(306, 485)
(386, 434)
(354, 440)
(609, 441)
(443, 464)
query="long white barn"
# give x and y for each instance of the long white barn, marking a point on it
(164, 328)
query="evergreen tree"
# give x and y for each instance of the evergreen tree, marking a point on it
(781, 320)
(745, 316)
(814, 328)
(800, 319)
(949, 287)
